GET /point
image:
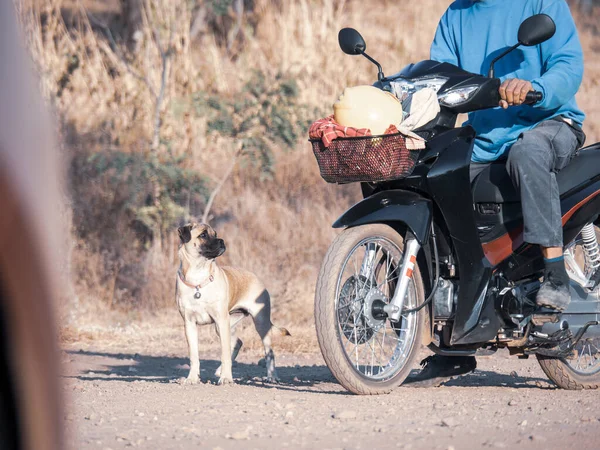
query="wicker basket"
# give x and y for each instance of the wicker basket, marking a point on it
(366, 158)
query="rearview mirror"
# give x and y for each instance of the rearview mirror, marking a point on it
(536, 29)
(533, 31)
(351, 42)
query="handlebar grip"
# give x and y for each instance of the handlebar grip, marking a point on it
(533, 97)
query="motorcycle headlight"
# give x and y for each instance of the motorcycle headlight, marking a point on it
(457, 96)
(405, 88)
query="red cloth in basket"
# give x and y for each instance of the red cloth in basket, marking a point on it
(328, 129)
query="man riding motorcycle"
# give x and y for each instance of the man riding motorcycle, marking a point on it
(536, 141)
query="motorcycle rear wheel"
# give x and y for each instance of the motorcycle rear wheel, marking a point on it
(353, 341)
(580, 371)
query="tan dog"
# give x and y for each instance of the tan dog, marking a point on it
(207, 293)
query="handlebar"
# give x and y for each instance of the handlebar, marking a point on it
(533, 97)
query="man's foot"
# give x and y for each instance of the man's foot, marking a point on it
(437, 369)
(554, 294)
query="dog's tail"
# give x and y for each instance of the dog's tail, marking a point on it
(282, 331)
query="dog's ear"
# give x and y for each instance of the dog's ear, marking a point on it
(185, 234)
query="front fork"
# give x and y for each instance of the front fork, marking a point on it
(367, 268)
(394, 308)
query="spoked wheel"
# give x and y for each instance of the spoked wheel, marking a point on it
(366, 352)
(581, 370)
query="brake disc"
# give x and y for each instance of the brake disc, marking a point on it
(351, 313)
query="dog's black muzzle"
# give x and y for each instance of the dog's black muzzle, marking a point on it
(215, 250)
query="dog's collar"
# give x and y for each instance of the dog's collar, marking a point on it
(199, 286)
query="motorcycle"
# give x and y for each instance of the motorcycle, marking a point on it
(432, 259)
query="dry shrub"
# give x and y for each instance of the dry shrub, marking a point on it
(283, 70)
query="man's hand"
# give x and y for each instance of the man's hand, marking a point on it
(513, 92)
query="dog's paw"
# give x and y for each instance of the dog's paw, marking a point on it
(218, 372)
(225, 380)
(190, 380)
(273, 380)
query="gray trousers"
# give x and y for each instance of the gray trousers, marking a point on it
(532, 163)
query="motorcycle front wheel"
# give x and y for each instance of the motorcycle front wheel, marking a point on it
(367, 353)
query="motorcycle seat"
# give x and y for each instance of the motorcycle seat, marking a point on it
(493, 184)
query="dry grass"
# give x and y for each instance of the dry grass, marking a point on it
(278, 226)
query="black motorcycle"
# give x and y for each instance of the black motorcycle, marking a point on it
(430, 258)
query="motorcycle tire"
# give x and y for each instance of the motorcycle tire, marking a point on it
(326, 312)
(564, 375)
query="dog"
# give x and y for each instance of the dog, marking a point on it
(207, 293)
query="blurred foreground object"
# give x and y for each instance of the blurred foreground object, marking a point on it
(30, 404)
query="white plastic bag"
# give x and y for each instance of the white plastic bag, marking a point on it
(422, 107)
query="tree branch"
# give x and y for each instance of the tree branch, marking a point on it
(164, 56)
(238, 8)
(218, 187)
(117, 51)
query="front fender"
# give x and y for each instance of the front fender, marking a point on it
(398, 205)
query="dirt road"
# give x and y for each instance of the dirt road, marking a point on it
(118, 400)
